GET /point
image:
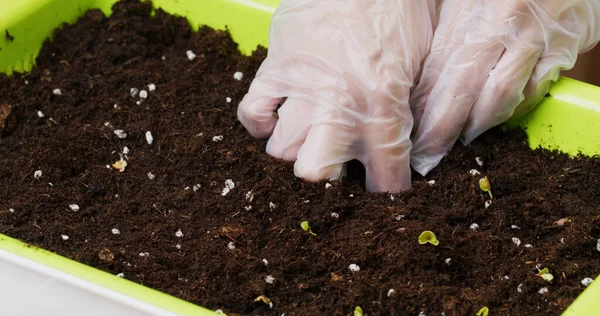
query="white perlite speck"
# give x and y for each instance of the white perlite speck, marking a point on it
(249, 196)
(144, 254)
(115, 231)
(265, 261)
(40, 114)
(354, 267)
(74, 207)
(126, 150)
(516, 241)
(57, 91)
(327, 185)
(218, 138)
(151, 176)
(269, 279)
(151, 87)
(196, 187)
(37, 174)
(12, 210)
(474, 172)
(520, 288)
(115, 105)
(64, 237)
(474, 226)
(272, 205)
(120, 275)
(133, 92)
(587, 281)
(231, 245)
(190, 55)
(238, 76)
(149, 138)
(598, 245)
(543, 290)
(422, 313)
(448, 261)
(527, 246)
(391, 292)
(120, 133)
(228, 99)
(400, 217)
(479, 161)
(179, 233)
(143, 94)
(335, 215)
(229, 185)
(431, 182)
(392, 197)
(514, 227)
(178, 246)
(488, 203)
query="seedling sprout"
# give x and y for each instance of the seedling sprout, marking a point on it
(358, 311)
(428, 237)
(485, 186)
(484, 311)
(305, 226)
(545, 274)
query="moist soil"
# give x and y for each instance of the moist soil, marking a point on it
(179, 234)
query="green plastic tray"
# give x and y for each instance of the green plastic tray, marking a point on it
(567, 120)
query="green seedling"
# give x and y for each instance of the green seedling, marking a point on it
(546, 275)
(428, 237)
(358, 311)
(484, 311)
(485, 186)
(306, 227)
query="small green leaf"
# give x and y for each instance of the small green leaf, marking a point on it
(485, 186)
(484, 311)
(428, 237)
(358, 311)
(546, 275)
(306, 227)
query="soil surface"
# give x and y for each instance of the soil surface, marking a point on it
(165, 223)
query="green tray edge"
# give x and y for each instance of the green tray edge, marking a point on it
(567, 120)
(101, 278)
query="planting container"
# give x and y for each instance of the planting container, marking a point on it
(34, 281)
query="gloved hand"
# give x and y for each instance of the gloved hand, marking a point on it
(346, 68)
(491, 60)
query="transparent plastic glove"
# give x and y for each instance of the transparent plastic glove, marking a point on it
(346, 68)
(492, 60)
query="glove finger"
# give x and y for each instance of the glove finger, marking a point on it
(295, 119)
(502, 92)
(451, 99)
(326, 148)
(546, 71)
(449, 36)
(256, 110)
(387, 162)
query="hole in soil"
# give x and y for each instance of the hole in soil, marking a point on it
(355, 174)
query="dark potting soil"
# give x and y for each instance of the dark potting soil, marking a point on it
(179, 234)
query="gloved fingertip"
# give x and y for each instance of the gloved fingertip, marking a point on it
(314, 174)
(257, 115)
(423, 164)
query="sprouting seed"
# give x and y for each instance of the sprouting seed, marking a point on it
(485, 186)
(428, 237)
(545, 274)
(484, 311)
(358, 311)
(305, 226)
